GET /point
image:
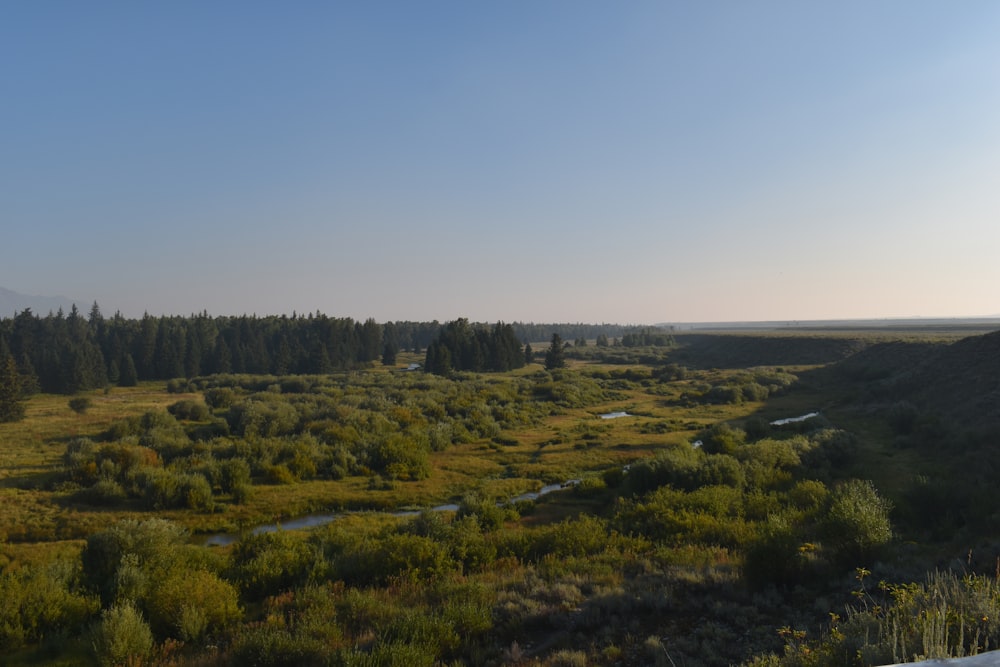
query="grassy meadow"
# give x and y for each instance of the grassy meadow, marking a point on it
(573, 443)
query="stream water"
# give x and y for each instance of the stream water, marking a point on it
(323, 518)
(792, 420)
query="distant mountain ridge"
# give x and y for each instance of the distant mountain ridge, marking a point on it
(12, 302)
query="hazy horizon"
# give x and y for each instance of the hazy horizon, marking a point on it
(41, 305)
(538, 162)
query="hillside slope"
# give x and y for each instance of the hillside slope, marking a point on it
(958, 383)
(748, 350)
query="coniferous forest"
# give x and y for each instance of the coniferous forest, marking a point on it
(309, 490)
(66, 353)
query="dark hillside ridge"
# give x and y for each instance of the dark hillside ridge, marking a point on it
(962, 382)
(745, 351)
(957, 382)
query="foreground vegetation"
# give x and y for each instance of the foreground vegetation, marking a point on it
(691, 530)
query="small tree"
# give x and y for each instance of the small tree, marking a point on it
(555, 357)
(529, 354)
(11, 400)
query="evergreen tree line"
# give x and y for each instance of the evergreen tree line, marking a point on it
(540, 333)
(646, 337)
(462, 346)
(66, 353)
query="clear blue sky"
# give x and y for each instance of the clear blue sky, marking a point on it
(631, 162)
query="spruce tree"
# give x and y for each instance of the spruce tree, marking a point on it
(128, 377)
(11, 401)
(555, 357)
(389, 352)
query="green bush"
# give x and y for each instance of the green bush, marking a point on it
(856, 524)
(192, 604)
(189, 410)
(235, 473)
(485, 511)
(80, 404)
(220, 397)
(122, 637)
(39, 602)
(268, 563)
(152, 543)
(194, 492)
(274, 646)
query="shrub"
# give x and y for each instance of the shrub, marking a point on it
(485, 511)
(722, 438)
(194, 492)
(268, 563)
(189, 410)
(808, 494)
(724, 394)
(192, 604)
(220, 397)
(263, 415)
(402, 457)
(568, 658)
(273, 646)
(856, 523)
(581, 536)
(37, 603)
(468, 545)
(773, 558)
(158, 488)
(80, 404)
(177, 386)
(235, 474)
(122, 637)
(152, 542)
(279, 474)
(104, 492)
(590, 486)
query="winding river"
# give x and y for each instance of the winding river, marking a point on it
(323, 518)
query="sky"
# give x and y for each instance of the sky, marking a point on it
(550, 161)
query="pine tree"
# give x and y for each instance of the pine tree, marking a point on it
(11, 401)
(128, 377)
(529, 354)
(555, 357)
(389, 352)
